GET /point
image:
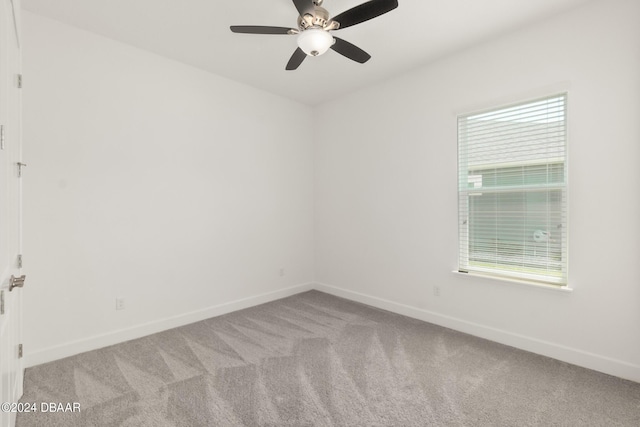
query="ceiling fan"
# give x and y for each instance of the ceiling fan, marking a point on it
(314, 26)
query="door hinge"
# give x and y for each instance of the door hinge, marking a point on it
(1, 302)
(20, 166)
(19, 261)
(19, 351)
(19, 81)
(1, 137)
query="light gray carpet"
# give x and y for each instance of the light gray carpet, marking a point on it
(317, 360)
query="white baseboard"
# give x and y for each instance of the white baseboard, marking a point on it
(92, 343)
(561, 352)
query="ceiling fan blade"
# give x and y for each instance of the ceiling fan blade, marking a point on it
(259, 29)
(351, 51)
(296, 59)
(364, 12)
(304, 7)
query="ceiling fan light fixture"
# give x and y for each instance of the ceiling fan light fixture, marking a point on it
(315, 41)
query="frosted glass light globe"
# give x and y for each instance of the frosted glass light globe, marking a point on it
(315, 41)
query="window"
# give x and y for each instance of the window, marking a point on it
(512, 191)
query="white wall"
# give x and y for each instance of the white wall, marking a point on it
(185, 193)
(386, 201)
(180, 191)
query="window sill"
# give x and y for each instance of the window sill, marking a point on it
(553, 288)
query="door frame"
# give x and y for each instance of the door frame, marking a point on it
(11, 362)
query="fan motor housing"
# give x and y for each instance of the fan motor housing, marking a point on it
(318, 20)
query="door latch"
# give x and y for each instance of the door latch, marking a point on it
(16, 282)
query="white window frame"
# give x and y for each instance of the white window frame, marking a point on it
(470, 184)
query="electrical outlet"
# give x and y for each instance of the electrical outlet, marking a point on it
(436, 291)
(119, 303)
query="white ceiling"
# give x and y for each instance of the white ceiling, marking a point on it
(196, 32)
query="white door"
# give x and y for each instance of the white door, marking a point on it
(10, 208)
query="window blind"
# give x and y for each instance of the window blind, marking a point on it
(512, 191)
